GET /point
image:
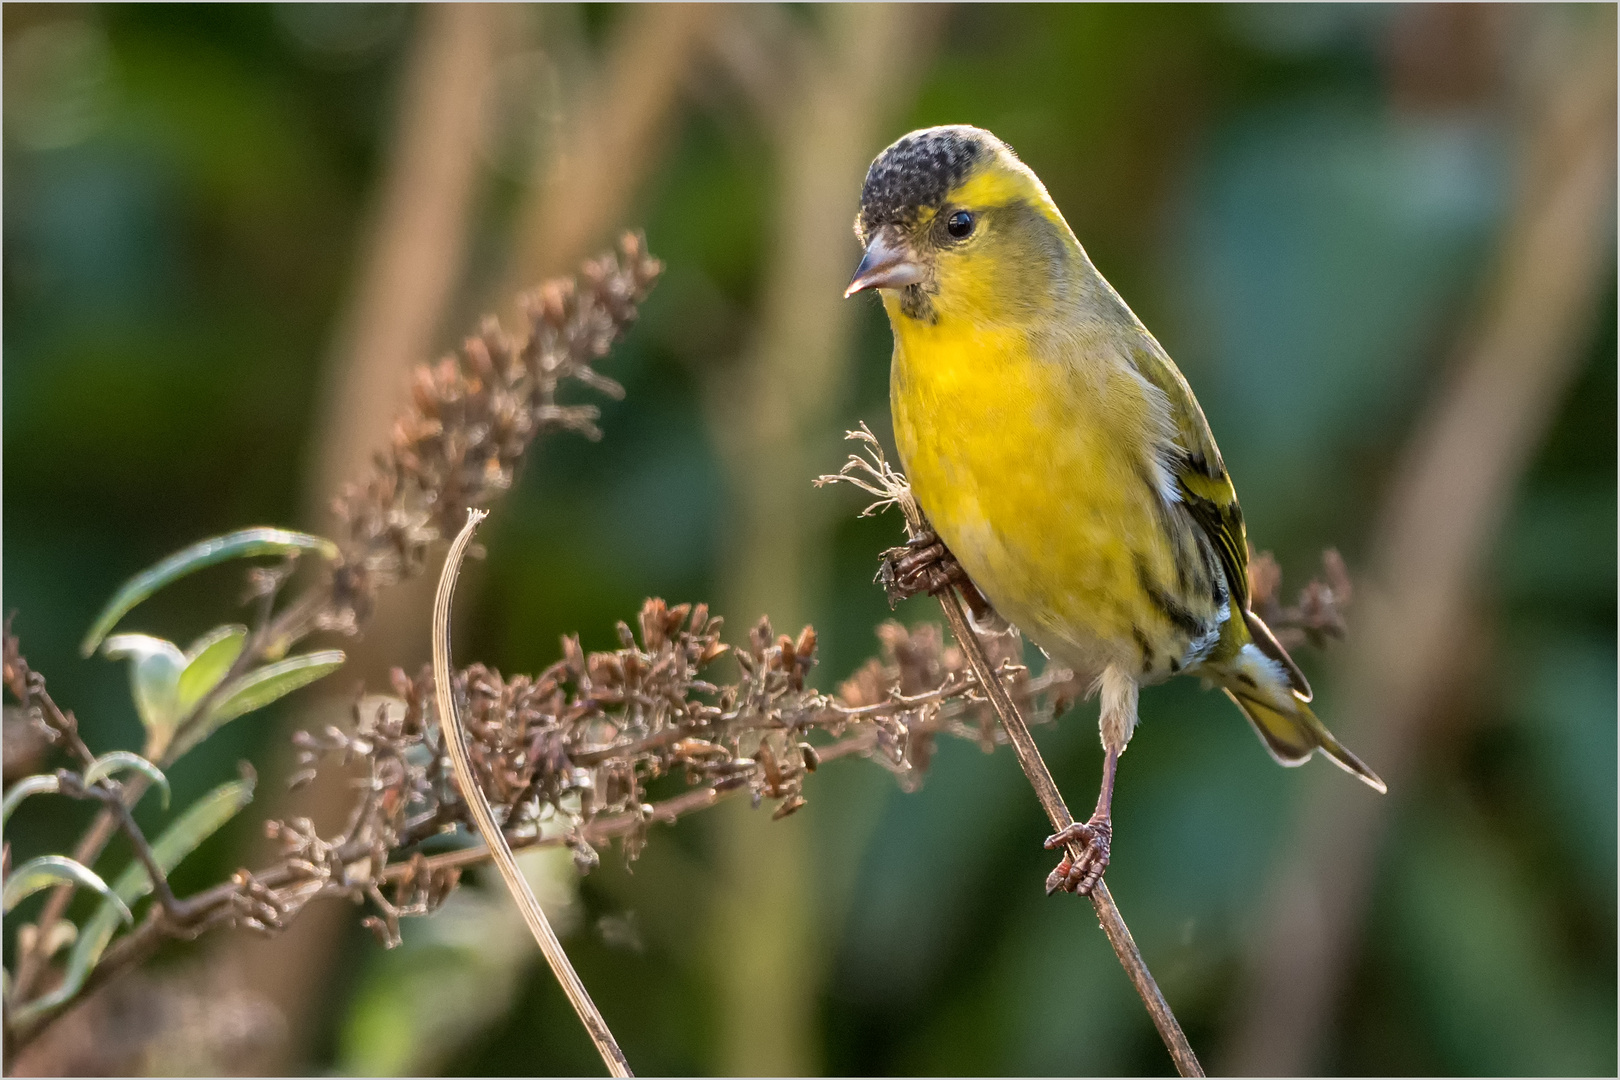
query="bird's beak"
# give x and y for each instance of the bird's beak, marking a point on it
(888, 264)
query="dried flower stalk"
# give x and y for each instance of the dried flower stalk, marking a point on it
(565, 756)
(473, 416)
(472, 419)
(1317, 615)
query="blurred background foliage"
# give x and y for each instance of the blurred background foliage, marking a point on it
(1304, 202)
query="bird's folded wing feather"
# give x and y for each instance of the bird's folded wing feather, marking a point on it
(1207, 492)
(1200, 474)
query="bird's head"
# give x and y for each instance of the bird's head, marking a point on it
(955, 226)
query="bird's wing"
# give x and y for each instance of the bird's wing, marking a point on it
(1207, 493)
(1200, 474)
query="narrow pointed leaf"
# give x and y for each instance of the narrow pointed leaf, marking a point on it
(48, 870)
(154, 679)
(237, 545)
(123, 761)
(28, 785)
(207, 661)
(257, 689)
(195, 824)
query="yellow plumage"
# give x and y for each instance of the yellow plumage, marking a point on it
(1055, 447)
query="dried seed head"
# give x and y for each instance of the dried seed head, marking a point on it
(473, 416)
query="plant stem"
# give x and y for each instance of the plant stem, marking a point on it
(1040, 778)
(603, 829)
(455, 741)
(113, 800)
(288, 627)
(32, 962)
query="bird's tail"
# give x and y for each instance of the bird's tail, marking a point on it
(1283, 719)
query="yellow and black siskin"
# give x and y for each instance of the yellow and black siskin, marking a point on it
(1061, 456)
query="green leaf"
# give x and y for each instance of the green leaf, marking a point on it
(154, 677)
(237, 545)
(28, 785)
(257, 689)
(197, 823)
(123, 761)
(207, 661)
(48, 870)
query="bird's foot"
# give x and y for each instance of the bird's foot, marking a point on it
(1080, 877)
(926, 565)
(923, 565)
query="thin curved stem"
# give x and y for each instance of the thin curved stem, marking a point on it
(455, 741)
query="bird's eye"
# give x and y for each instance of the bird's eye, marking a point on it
(959, 225)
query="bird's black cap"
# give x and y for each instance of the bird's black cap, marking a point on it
(917, 172)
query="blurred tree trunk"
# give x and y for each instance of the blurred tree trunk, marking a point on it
(417, 243)
(772, 418)
(412, 261)
(1449, 499)
(408, 274)
(615, 134)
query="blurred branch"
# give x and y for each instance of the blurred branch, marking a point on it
(572, 203)
(408, 273)
(874, 475)
(412, 258)
(614, 137)
(454, 737)
(580, 190)
(1317, 615)
(611, 134)
(416, 242)
(611, 126)
(1455, 485)
(188, 1019)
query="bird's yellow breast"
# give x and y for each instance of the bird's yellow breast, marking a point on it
(1032, 469)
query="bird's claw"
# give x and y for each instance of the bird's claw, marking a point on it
(926, 565)
(923, 565)
(1080, 877)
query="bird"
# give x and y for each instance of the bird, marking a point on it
(1067, 472)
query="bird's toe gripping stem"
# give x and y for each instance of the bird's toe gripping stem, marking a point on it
(926, 565)
(1081, 876)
